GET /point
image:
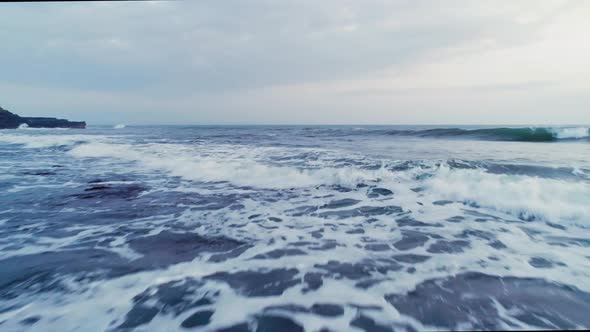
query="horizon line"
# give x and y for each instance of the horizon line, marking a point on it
(334, 124)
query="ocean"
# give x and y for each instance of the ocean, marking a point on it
(294, 228)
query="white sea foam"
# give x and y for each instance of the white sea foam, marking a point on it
(571, 132)
(119, 126)
(244, 172)
(46, 141)
(519, 195)
(25, 126)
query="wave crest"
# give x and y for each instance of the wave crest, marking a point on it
(523, 196)
(239, 171)
(530, 134)
(46, 141)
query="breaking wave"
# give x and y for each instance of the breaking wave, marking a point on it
(25, 126)
(526, 197)
(523, 196)
(529, 134)
(239, 171)
(46, 141)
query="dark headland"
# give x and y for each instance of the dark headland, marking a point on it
(10, 120)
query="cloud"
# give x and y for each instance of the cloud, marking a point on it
(281, 61)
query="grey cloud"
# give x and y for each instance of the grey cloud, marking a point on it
(208, 61)
(188, 47)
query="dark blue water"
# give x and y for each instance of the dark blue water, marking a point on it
(292, 228)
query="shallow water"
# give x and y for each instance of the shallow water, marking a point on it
(293, 228)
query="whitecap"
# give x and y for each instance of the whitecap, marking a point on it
(46, 141)
(570, 132)
(518, 195)
(243, 172)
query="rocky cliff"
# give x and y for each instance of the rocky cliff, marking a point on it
(10, 120)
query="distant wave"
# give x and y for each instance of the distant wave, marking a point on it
(34, 141)
(119, 126)
(25, 126)
(530, 134)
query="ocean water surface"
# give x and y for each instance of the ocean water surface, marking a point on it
(294, 228)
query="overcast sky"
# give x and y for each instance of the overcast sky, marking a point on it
(298, 62)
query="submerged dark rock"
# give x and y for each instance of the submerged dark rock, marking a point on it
(10, 120)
